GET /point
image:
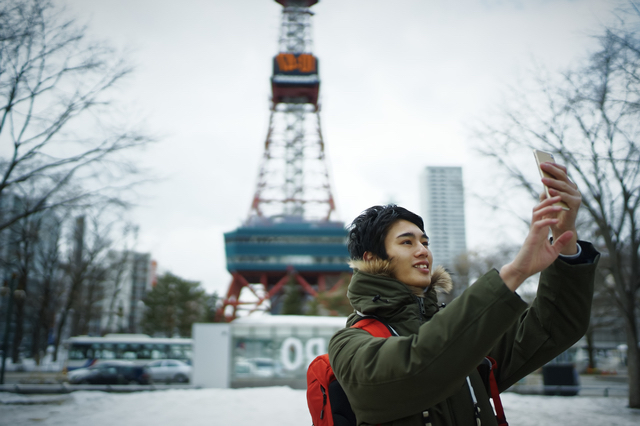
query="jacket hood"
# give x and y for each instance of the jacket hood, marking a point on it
(440, 278)
(373, 291)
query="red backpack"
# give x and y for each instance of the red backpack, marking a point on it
(321, 382)
(329, 405)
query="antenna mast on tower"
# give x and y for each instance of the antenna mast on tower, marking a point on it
(293, 180)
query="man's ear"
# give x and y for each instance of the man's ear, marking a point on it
(368, 256)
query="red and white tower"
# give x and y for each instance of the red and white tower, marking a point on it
(289, 236)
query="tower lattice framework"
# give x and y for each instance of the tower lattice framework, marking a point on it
(289, 237)
(293, 180)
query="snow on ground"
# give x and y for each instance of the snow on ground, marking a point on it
(274, 406)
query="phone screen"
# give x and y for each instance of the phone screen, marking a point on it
(547, 157)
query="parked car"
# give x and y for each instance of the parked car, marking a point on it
(257, 367)
(110, 373)
(169, 370)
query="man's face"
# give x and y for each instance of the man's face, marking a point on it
(411, 259)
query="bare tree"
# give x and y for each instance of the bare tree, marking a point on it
(589, 119)
(48, 274)
(20, 241)
(85, 273)
(60, 143)
(604, 315)
(79, 288)
(29, 248)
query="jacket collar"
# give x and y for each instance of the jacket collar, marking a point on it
(373, 291)
(440, 278)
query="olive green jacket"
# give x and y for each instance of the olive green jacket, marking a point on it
(392, 381)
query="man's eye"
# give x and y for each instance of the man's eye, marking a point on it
(425, 243)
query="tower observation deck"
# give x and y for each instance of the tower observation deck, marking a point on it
(289, 236)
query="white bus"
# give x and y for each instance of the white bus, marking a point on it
(83, 351)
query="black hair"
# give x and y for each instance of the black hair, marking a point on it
(368, 231)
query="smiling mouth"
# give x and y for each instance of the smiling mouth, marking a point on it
(421, 266)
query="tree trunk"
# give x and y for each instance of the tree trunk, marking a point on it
(61, 323)
(18, 330)
(18, 333)
(35, 342)
(64, 315)
(633, 361)
(93, 310)
(590, 349)
(81, 313)
(41, 323)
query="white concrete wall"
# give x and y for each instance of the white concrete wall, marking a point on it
(211, 355)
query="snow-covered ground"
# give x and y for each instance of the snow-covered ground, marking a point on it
(274, 406)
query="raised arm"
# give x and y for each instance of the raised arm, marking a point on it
(537, 252)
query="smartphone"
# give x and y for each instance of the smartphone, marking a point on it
(547, 157)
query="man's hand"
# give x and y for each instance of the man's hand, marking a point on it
(537, 252)
(560, 185)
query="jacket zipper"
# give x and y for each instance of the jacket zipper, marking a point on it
(422, 311)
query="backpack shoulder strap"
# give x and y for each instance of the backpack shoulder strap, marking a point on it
(375, 327)
(495, 394)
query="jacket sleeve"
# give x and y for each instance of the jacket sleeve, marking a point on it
(387, 379)
(558, 317)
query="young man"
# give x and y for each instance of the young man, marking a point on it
(428, 374)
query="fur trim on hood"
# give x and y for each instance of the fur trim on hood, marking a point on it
(440, 278)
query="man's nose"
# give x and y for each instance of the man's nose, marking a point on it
(422, 251)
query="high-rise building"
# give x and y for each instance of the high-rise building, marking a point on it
(442, 205)
(130, 278)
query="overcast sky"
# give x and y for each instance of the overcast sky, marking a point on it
(402, 81)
